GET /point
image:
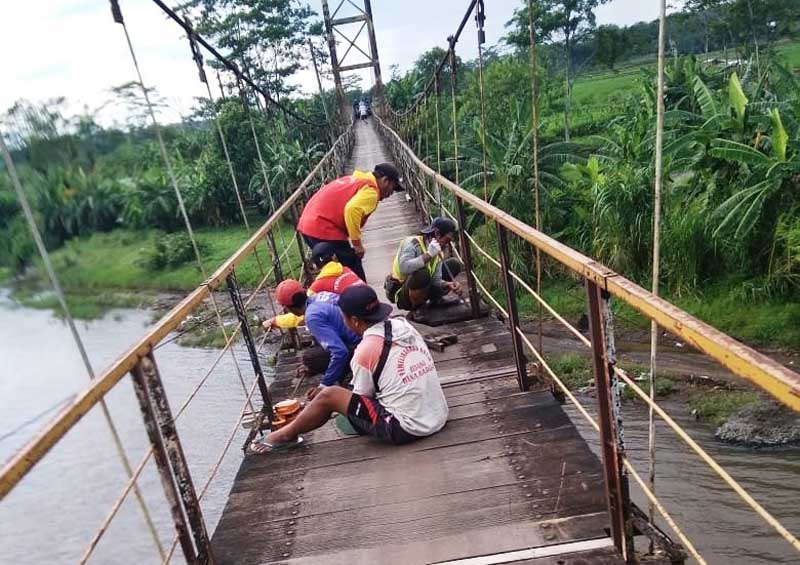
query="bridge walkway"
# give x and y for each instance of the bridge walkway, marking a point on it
(509, 479)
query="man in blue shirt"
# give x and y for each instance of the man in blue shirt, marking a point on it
(324, 322)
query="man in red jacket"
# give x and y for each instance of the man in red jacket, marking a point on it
(338, 211)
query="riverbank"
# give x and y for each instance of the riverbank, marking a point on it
(738, 414)
(134, 269)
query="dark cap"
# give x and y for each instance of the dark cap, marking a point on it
(322, 253)
(443, 225)
(390, 172)
(362, 302)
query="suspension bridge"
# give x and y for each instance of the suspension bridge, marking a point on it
(508, 480)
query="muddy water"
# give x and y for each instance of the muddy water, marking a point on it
(722, 527)
(52, 515)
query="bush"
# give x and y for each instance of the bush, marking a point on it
(572, 368)
(171, 250)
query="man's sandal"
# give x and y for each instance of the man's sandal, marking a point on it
(264, 446)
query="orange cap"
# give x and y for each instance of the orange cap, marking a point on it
(286, 291)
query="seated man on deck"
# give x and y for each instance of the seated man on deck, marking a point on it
(419, 275)
(324, 322)
(338, 211)
(396, 395)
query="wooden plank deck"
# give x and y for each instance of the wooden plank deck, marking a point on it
(509, 479)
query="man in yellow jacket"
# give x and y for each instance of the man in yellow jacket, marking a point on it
(338, 211)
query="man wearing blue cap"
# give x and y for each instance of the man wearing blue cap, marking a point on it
(396, 397)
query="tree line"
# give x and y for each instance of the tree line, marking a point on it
(83, 177)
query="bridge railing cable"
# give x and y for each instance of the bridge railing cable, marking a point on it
(763, 372)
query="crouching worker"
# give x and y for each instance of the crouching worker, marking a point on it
(419, 275)
(325, 324)
(332, 277)
(396, 397)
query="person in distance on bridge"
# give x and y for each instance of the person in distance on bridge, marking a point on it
(396, 397)
(338, 211)
(419, 274)
(324, 322)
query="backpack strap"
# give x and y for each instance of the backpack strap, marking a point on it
(387, 345)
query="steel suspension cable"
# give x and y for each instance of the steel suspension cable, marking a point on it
(585, 413)
(118, 18)
(438, 142)
(427, 147)
(187, 401)
(453, 98)
(230, 65)
(263, 167)
(215, 467)
(764, 514)
(198, 58)
(73, 329)
(717, 468)
(535, 133)
(651, 435)
(479, 19)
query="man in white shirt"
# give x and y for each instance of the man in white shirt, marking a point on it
(396, 393)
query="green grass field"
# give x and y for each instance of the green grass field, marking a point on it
(106, 270)
(599, 89)
(119, 260)
(597, 86)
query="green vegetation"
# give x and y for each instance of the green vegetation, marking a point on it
(84, 179)
(664, 387)
(716, 405)
(730, 232)
(575, 371)
(209, 338)
(122, 259)
(572, 368)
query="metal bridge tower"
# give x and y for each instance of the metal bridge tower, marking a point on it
(336, 25)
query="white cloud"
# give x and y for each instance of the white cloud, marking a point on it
(73, 48)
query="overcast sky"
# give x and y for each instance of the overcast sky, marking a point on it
(72, 48)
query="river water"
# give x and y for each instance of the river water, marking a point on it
(52, 514)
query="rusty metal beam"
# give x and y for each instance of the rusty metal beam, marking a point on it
(466, 255)
(612, 462)
(349, 20)
(356, 66)
(162, 463)
(511, 305)
(241, 314)
(177, 459)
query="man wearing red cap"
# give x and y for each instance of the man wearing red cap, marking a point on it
(338, 211)
(333, 277)
(396, 398)
(324, 322)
